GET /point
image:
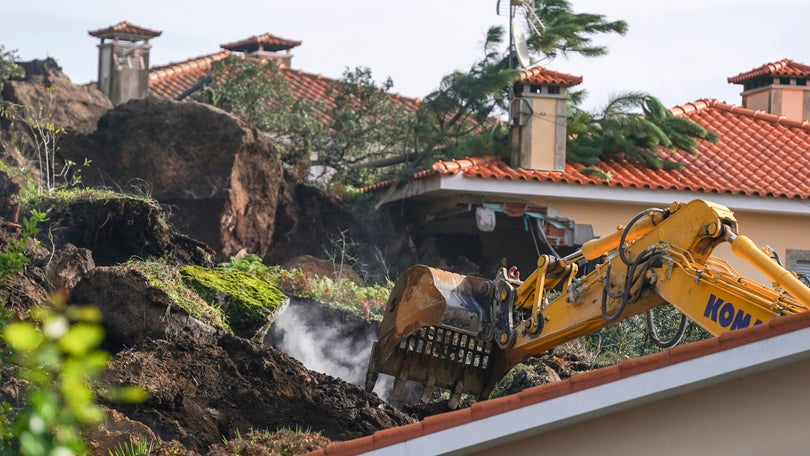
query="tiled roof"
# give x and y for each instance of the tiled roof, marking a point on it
(540, 75)
(759, 154)
(173, 79)
(266, 42)
(575, 383)
(782, 68)
(126, 29)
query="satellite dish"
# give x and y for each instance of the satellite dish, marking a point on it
(521, 48)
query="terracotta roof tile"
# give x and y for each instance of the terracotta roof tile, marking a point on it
(784, 324)
(484, 409)
(436, 423)
(125, 29)
(681, 353)
(577, 382)
(534, 395)
(350, 447)
(541, 75)
(741, 163)
(169, 81)
(267, 42)
(733, 339)
(397, 434)
(782, 68)
(643, 364)
(593, 378)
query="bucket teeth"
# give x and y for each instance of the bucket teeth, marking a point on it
(430, 386)
(399, 383)
(427, 393)
(455, 398)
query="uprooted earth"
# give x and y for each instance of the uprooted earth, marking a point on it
(226, 371)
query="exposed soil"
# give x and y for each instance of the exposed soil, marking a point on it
(225, 185)
(204, 384)
(202, 393)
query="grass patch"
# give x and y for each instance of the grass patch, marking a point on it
(249, 302)
(75, 195)
(166, 277)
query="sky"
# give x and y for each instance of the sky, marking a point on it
(679, 51)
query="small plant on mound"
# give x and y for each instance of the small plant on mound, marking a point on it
(134, 447)
(248, 301)
(367, 302)
(283, 442)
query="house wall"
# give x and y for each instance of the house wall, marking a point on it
(543, 133)
(792, 103)
(764, 413)
(781, 232)
(758, 100)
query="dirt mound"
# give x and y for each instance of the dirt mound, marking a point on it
(200, 393)
(134, 311)
(117, 228)
(76, 108)
(220, 176)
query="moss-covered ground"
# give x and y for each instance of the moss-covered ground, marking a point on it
(248, 301)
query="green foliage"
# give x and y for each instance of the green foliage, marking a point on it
(258, 92)
(519, 377)
(46, 136)
(634, 126)
(134, 447)
(13, 255)
(8, 68)
(247, 300)
(565, 32)
(365, 301)
(365, 124)
(629, 338)
(67, 196)
(58, 357)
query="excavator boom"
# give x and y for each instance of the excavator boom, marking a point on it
(463, 333)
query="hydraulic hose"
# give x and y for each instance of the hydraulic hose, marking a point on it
(656, 339)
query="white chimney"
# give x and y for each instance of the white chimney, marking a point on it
(538, 112)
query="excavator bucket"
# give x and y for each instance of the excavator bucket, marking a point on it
(439, 330)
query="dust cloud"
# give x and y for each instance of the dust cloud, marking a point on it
(324, 340)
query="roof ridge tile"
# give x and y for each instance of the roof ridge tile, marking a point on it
(350, 447)
(397, 434)
(161, 72)
(442, 421)
(484, 409)
(546, 391)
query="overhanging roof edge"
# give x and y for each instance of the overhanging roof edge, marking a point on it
(524, 188)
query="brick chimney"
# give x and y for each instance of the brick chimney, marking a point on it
(777, 88)
(265, 47)
(123, 61)
(538, 119)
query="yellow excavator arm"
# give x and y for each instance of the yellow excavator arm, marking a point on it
(463, 333)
